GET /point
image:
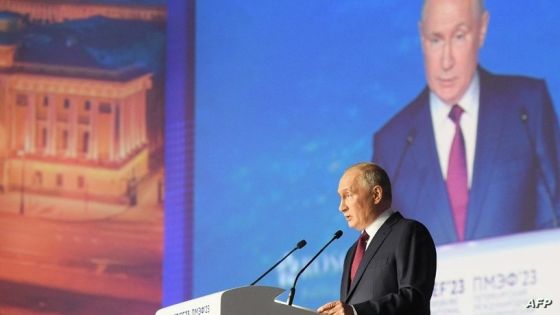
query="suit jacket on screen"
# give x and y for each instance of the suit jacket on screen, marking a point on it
(517, 151)
(396, 274)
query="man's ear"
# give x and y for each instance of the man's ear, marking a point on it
(377, 194)
(421, 35)
(485, 19)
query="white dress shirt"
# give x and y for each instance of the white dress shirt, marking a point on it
(376, 224)
(444, 128)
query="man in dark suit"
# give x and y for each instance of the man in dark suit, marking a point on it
(392, 267)
(480, 151)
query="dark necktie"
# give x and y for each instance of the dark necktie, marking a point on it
(457, 180)
(358, 255)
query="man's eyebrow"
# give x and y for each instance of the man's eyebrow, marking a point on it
(463, 26)
(345, 190)
(431, 33)
(435, 34)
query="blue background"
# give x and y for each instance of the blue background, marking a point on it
(289, 93)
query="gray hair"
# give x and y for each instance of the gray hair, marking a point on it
(372, 175)
(479, 9)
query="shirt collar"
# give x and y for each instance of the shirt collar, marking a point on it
(377, 223)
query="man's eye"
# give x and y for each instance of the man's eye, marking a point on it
(434, 40)
(460, 36)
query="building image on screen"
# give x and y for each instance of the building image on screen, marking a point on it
(81, 156)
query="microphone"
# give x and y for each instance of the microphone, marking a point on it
(525, 120)
(409, 141)
(299, 245)
(336, 236)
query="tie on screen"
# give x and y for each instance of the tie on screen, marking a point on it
(457, 180)
(359, 254)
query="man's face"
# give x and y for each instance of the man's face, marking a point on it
(356, 200)
(452, 32)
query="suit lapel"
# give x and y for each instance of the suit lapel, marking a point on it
(433, 201)
(346, 271)
(372, 249)
(490, 124)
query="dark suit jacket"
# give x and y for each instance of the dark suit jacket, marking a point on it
(517, 150)
(397, 272)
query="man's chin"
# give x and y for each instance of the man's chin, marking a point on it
(353, 226)
(448, 94)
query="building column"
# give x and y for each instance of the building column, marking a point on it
(112, 132)
(120, 148)
(51, 126)
(73, 132)
(12, 122)
(92, 145)
(137, 122)
(143, 109)
(116, 133)
(30, 138)
(127, 125)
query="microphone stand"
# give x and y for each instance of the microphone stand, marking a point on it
(292, 294)
(299, 245)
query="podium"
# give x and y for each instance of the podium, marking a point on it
(252, 300)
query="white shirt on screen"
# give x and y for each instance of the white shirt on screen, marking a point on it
(444, 128)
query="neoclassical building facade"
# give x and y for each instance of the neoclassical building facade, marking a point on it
(72, 131)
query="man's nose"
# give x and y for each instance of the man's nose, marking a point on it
(447, 59)
(342, 206)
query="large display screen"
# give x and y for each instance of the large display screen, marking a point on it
(290, 93)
